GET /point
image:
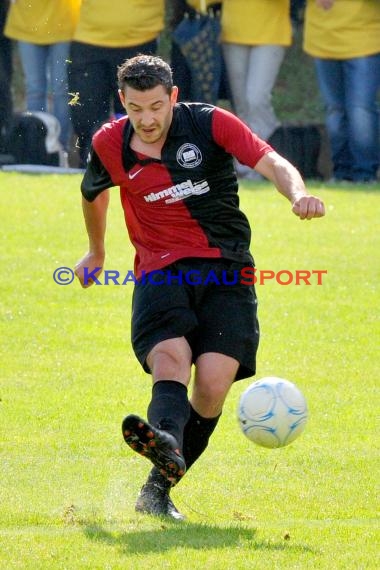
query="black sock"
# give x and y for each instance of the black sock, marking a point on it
(196, 435)
(169, 408)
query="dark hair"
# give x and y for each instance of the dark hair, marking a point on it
(144, 72)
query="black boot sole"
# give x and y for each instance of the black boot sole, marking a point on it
(158, 446)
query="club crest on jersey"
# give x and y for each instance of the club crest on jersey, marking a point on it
(189, 155)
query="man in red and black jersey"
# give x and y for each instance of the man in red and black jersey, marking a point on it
(173, 163)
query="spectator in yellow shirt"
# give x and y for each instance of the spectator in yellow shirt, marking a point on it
(107, 34)
(43, 31)
(343, 37)
(255, 35)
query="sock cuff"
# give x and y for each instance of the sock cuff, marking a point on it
(198, 418)
(168, 387)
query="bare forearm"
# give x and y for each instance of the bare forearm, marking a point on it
(284, 176)
(95, 216)
(289, 183)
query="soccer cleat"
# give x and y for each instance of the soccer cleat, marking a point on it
(154, 500)
(159, 446)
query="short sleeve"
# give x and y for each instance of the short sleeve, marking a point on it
(95, 179)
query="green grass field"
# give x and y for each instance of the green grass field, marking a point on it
(68, 377)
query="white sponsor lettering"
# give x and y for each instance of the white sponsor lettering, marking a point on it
(179, 192)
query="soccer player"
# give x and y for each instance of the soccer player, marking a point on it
(173, 163)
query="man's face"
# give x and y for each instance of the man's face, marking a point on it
(150, 112)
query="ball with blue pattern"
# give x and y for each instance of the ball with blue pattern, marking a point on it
(272, 412)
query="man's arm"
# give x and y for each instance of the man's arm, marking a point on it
(95, 216)
(289, 183)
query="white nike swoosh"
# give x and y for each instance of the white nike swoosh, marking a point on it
(165, 255)
(131, 176)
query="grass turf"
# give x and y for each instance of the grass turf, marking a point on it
(68, 482)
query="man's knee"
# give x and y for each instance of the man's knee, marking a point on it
(170, 360)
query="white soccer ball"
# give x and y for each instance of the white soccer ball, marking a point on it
(272, 412)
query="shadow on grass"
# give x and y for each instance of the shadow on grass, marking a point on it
(196, 536)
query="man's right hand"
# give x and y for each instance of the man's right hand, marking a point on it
(86, 266)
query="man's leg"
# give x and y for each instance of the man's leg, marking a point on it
(236, 57)
(225, 323)
(225, 351)
(6, 103)
(161, 439)
(264, 66)
(88, 77)
(362, 114)
(170, 363)
(214, 376)
(58, 58)
(34, 61)
(331, 84)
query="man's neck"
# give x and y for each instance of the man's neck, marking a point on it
(148, 149)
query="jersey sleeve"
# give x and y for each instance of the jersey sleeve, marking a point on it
(237, 138)
(96, 178)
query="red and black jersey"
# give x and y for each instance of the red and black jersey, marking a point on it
(186, 203)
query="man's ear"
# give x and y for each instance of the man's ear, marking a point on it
(174, 95)
(122, 97)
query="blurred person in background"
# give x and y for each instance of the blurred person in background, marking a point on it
(5, 78)
(255, 35)
(180, 9)
(107, 34)
(343, 37)
(43, 31)
(297, 8)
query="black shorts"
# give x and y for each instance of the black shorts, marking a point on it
(198, 299)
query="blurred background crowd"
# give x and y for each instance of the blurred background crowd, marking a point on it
(58, 63)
